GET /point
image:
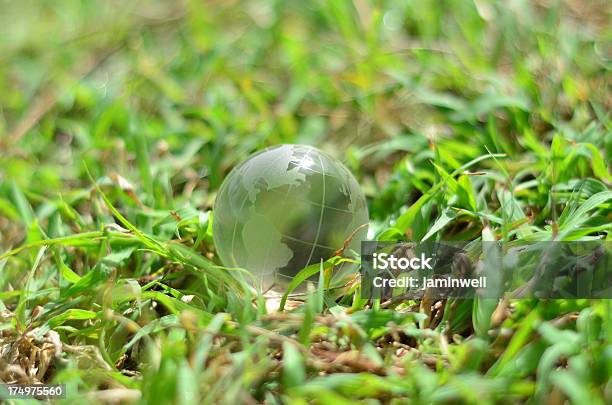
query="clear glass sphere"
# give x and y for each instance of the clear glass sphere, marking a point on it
(285, 208)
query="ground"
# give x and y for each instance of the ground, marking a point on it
(461, 120)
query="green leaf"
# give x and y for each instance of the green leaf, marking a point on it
(21, 203)
(177, 306)
(484, 307)
(294, 373)
(447, 216)
(405, 221)
(578, 215)
(465, 193)
(600, 168)
(65, 271)
(302, 276)
(88, 282)
(7, 209)
(25, 294)
(71, 315)
(521, 337)
(118, 257)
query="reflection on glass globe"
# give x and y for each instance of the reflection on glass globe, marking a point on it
(284, 208)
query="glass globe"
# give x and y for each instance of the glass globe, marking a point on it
(285, 208)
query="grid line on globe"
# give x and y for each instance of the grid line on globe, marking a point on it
(321, 211)
(318, 204)
(285, 208)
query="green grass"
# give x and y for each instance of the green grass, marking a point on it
(461, 119)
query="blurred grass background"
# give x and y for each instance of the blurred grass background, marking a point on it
(462, 120)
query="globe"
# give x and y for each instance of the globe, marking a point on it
(285, 208)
